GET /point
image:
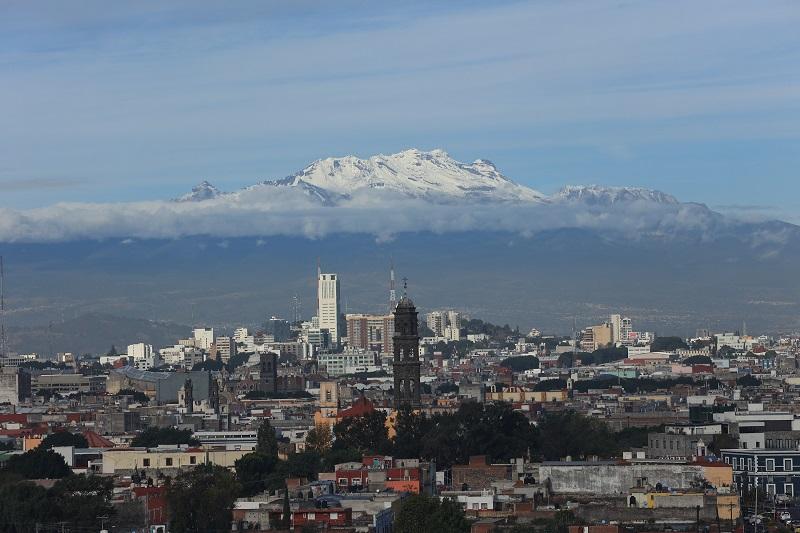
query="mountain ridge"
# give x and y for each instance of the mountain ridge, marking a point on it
(431, 175)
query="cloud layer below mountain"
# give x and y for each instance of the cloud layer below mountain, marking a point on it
(383, 196)
(287, 211)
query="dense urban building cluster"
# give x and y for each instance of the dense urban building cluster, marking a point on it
(404, 421)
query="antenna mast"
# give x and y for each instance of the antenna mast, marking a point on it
(2, 310)
(392, 292)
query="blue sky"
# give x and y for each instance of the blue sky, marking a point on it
(110, 102)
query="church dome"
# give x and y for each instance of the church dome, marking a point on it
(405, 303)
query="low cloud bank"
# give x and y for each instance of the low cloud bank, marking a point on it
(291, 212)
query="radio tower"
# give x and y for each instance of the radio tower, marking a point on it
(2, 310)
(392, 292)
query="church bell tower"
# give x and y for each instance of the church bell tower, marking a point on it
(406, 355)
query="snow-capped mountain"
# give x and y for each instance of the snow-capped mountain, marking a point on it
(597, 195)
(433, 176)
(202, 191)
(414, 173)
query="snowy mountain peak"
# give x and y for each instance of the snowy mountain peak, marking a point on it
(598, 195)
(432, 175)
(202, 191)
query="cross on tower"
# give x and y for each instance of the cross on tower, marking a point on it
(405, 286)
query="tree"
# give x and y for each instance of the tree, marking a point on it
(307, 464)
(550, 385)
(22, 505)
(576, 435)
(366, 433)
(493, 429)
(337, 456)
(257, 472)
(668, 344)
(748, 381)
(520, 363)
(410, 429)
(209, 365)
(64, 438)
(153, 436)
(697, 360)
(424, 513)
(319, 439)
(38, 463)
(81, 499)
(200, 500)
(267, 443)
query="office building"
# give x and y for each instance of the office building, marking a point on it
(328, 306)
(370, 332)
(203, 338)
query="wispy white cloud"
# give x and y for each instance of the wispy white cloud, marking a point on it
(136, 95)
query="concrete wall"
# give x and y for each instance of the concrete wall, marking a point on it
(611, 479)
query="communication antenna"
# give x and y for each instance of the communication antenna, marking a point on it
(2, 309)
(392, 292)
(574, 339)
(296, 308)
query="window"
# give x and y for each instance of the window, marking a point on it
(169, 461)
(728, 460)
(145, 463)
(769, 443)
(312, 516)
(770, 465)
(193, 460)
(749, 464)
(334, 516)
(787, 464)
(788, 489)
(770, 488)
(342, 481)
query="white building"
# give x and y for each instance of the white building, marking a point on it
(240, 334)
(140, 350)
(181, 355)
(142, 356)
(338, 364)
(329, 308)
(731, 340)
(203, 338)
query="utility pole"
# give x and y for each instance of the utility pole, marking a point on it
(697, 510)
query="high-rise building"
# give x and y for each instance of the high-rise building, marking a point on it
(225, 348)
(328, 306)
(615, 321)
(203, 338)
(436, 322)
(626, 330)
(370, 332)
(406, 355)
